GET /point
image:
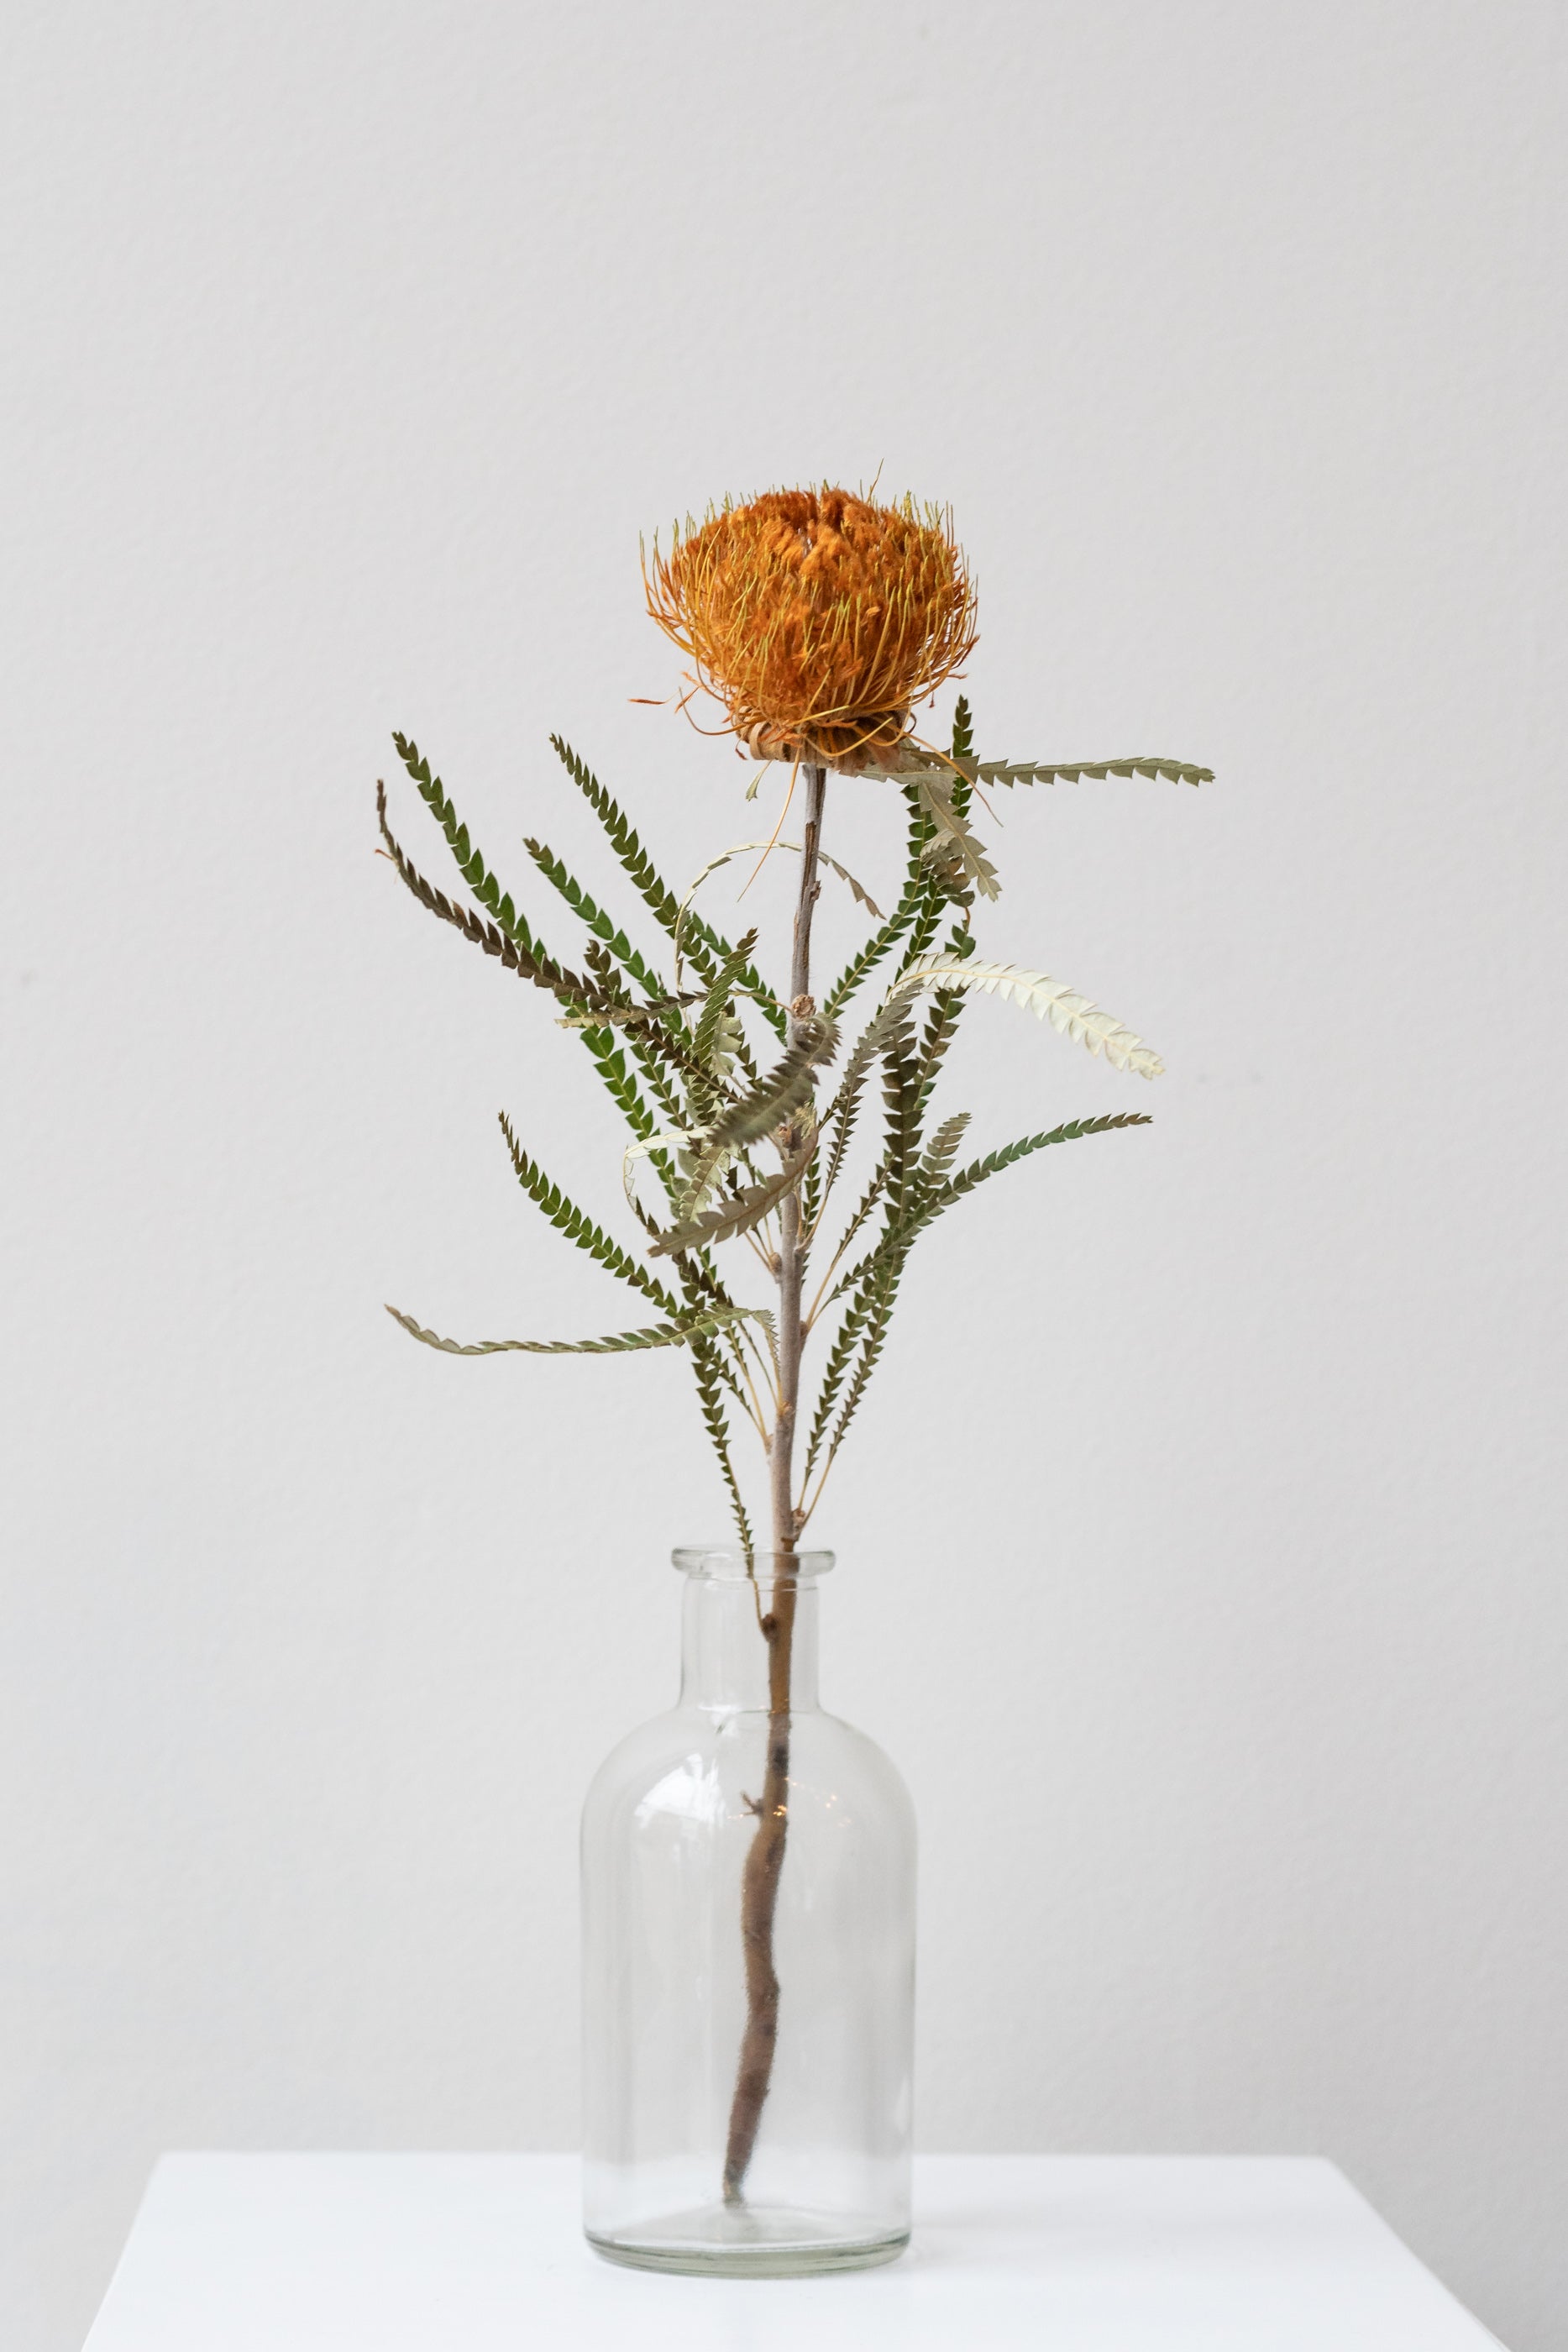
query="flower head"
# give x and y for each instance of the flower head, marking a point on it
(817, 618)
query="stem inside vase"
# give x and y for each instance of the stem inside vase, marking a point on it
(764, 1861)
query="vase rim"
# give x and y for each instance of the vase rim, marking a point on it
(727, 1564)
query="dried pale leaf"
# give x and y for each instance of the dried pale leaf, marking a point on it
(658, 1142)
(669, 1138)
(1076, 1016)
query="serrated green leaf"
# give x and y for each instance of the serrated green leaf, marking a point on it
(929, 1205)
(1069, 772)
(588, 910)
(507, 948)
(705, 947)
(706, 1369)
(470, 863)
(568, 1219)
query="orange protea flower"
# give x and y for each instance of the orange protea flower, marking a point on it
(817, 618)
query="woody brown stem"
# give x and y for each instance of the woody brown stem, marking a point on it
(764, 1861)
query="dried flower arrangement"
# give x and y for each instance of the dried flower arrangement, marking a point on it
(817, 620)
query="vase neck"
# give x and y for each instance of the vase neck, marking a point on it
(725, 1646)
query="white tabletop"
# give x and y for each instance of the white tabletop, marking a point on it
(1057, 2254)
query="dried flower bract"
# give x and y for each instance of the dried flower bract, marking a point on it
(818, 619)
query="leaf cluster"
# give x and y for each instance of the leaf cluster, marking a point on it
(719, 1085)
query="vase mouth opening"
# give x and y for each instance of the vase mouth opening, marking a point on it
(727, 1564)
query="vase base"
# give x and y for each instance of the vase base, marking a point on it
(753, 2241)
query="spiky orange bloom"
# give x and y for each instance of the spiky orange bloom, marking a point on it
(817, 618)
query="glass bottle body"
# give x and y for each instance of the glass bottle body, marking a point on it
(803, 2165)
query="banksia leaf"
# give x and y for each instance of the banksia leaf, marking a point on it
(505, 944)
(702, 1289)
(1068, 771)
(781, 1091)
(618, 1343)
(940, 1152)
(840, 1355)
(611, 1063)
(706, 1368)
(938, 885)
(901, 1094)
(841, 1113)
(739, 1212)
(930, 1204)
(716, 1004)
(942, 1026)
(1076, 1016)
(470, 864)
(954, 849)
(913, 898)
(568, 1219)
(704, 946)
(626, 1013)
(776, 1095)
(507, 938)
(883, 1301)
(590, 912)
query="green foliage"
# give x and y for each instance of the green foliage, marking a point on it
(1068, 771)
(955, 852)
(782, 1090)
(470, 864)
(912, 902)
(706, 1365)
(847, 1343)
(598, 922)
(568, 1219)
(929, 1204)
(841, 1112)
(694, 1092)
(702, 945)
(736, 1212)
(509, 943)
(880, 1300)
(719, 1041)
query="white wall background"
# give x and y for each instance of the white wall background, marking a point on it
(1202, 1550)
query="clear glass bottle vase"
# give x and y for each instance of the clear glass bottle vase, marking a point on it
(748, 1956)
